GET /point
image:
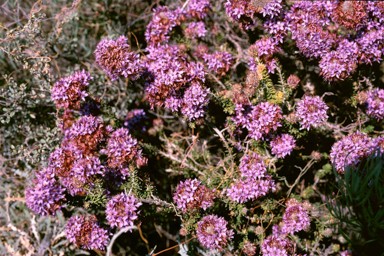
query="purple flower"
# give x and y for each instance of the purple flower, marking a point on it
(242, 11)
(295, 218)
(195, 101)
(245, 190)
(311, 111)
(75, 170)
(272, 9)
(339, 64)
(212, 232)
(277, 245)
(220, 62)
(198, 8)
(375, 103)
(346, 253)
(266, 47)
(190, 194)
(195, 29)
(123, 150)
(86, 233)
(283, 145)
(370, 49)
(162, 22)
(84, 168)
(351, 150)
(62, 159)
(254, 182)
(68, 91)
(170, 74)
(259, 120)
(121, 210)
(46, 196)
(86, 133)
(114, 57)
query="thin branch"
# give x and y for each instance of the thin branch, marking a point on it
(109, 248)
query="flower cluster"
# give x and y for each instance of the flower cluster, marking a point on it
(47, 195)
(322, 31)
(121, 210)
(174, 79)
(219, 62)
(86, 233)
(122, 150)
(282, 145)
(212, 232)
(190, 194)
(295, 218)
(259, 120)
(70, 90)
(163, 21)
(277, 245)
(375, 101)
(351, 150)
(311, 112)
(87, 132)
(195, 102)
(254, 182)
(195, 29)
(272, 9)
(243, 11)
(198, 9)
(115, 58)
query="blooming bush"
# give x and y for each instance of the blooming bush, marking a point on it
(202, 127)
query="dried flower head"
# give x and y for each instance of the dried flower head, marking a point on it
(86, 133)
(115, 58)
(293, 81)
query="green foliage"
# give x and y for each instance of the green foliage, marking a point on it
(359, 204)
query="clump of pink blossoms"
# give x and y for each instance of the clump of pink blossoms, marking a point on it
(254, 181)
(190, 194)
(212, 232)
(311, 112)
(283, 145)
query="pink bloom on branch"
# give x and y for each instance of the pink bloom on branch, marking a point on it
(283, 145)
(121, 210)
(212, 232)
(311, 111)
